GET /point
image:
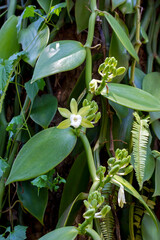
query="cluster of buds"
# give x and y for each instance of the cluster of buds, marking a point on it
(120, 163)
(82, 117)
(93, 204)
(108, 71)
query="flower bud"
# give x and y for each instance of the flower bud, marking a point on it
(121, 70)
(93, 85)
(114, 170)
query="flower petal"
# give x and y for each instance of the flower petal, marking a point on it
(73, 106)
(64, 124)
(84, 111)
(64, 112)
(87, 124)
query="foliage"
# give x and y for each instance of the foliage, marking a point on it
(36, 142)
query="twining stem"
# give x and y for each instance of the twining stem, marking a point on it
(11, 8)
(138, 42)
(12, 156)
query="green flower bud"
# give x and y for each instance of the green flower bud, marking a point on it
(86, 203)
(121, 70)
(128, 169)
(111, 160)
(93, 85)
(85, 102)
(97, 117)
(114, 170)
(89, 213)
(105, 210)
(124, 162)
(94, 203)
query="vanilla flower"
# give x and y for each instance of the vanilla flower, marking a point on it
(74, 117)
(121, 196)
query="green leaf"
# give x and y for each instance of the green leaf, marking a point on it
(121, 35)
(151, 84)
(29, 11)
(82, 9)
(157, 175)
(47, 4)
(19, 233)
(70, 212)
(140, 136)
(149, 165)
(130, 189)
(67, 233)
(131, 97)
(41, 153)
(8, 38)
(57, 8)
(156, 128)
(116, 3)
(80, 180)
(118, 51)
(59, 57)
(127, 7)
(149, 229)
(138, 77)
(43, 110)
(6, 71)
(33, 41)
(33, 201)
(70, 5)
(32, 89)
(3, 166)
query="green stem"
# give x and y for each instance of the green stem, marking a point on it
(138, 42)
(12, 157)
(11, 8)
(131, 224)
(89, 155)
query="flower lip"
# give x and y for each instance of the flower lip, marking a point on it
(76, 120)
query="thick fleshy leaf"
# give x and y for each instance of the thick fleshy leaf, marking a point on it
(116, 3)
(41, 153)
(138, 77)
(8, 38)
(156, 128)
(121, 35)
(130, 189)
(59, 57)
(157, 175)
(33, 41)
(80, 179)
(43, 110)
(149, 229)
(34, 201)
(82, 10)
(67, 233)
(131, 97)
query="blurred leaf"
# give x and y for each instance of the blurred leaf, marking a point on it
(70, 5)
(66, 233)
(8, 38)
(32, 89)
(149, 229)
(6, 68)
(121, 35)
(47, 4)
(57, 8)
(3, 166)
(131, 97)
(149, 165)
(92, 233)
(29, 11)
(13, 124)
(127, 7)
(156, 155)
(144, 35)
(70, 212)
(156, 128)
(151, 84)
(121, 111)
(42, 153)
(33, 201)
(19, 233)
(43, 109)
(80, 179)
(82, 9)
(33, 41)
(138, 77)
(59, 57)
(118, 51)
(130, 189)
(117, 3)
